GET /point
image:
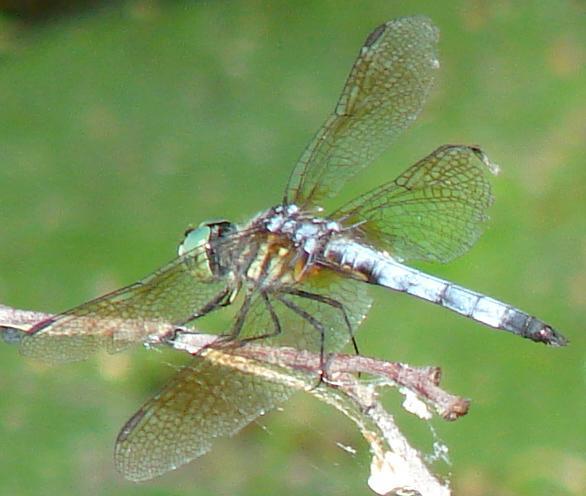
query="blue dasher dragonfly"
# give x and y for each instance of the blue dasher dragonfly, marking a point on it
(294, 275)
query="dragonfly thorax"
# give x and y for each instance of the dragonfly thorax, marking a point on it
(304, 230)
(289, 240)
(277, 247)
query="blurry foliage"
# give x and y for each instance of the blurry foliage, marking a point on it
(45, 9)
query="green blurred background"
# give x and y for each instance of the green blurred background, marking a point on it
(120, 125)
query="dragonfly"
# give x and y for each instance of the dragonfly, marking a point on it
(292, 275)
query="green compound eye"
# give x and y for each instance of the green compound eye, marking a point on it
(194, 238)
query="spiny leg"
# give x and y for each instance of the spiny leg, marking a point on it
(220, 300)
(316, 324)
(327, 301)
(246, 305)
(241, 318)
(274, 319)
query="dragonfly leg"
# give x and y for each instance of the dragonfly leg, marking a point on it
(327, 301)
(277, 329)
(316, 324)
(241, 318)
(222, 299)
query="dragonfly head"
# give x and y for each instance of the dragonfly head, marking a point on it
(204, 235)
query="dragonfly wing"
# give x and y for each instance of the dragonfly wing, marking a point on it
(434, 211)
(204, 401)
(384, 93)
(147, 309)
(209, 399)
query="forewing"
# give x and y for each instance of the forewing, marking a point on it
(145, 310)
(384, 93)
(209, 399)
(434, 211)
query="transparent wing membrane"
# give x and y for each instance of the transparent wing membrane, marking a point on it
(384, 93)
(434, 211)
(207, 400)
(147, 309)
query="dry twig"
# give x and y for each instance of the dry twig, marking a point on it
(396, 467)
